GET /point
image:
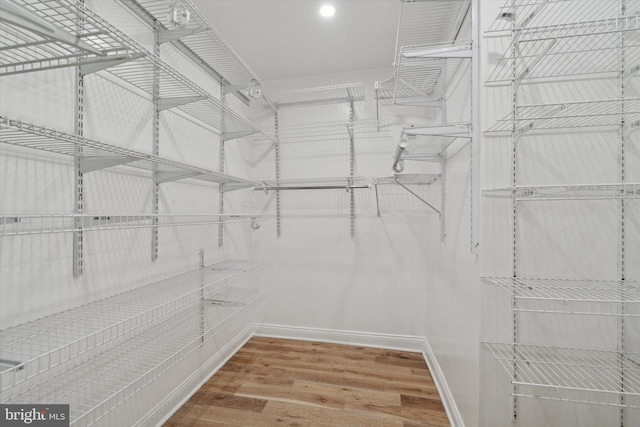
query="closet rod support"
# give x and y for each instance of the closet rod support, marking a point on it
(418, 197)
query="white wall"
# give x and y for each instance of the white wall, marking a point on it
(316, 275)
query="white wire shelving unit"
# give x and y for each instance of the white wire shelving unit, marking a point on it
(188, 30)
(119, 54)
(571, 296)
(102, 383)
(571, 374)
(596, 45)
(98, 155)
(433, 56)
(32, 349)
(522, 193)
(27, 224)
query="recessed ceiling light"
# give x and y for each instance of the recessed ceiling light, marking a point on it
(327, 10)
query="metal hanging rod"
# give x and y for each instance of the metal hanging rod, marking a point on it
(571, 374)
(621, 191)
(98, 155)
(195, 37)
(605, 113)
(338, 183)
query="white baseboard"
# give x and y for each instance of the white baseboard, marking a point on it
(365, 339)
(181, 394)
(455, 418)
(174, 401)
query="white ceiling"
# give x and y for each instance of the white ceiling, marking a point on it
(282, 39)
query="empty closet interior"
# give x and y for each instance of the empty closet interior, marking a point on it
(470, 195)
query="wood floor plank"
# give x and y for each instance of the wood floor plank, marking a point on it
(323, 417)
(275, 382)
(291, 396)
(232, 417)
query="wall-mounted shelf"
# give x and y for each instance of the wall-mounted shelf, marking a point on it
(334, 183)
(408, 179)
(317, 95)
(570, 192)
(571, 296)
(426, 58)
(42, 35)
(423, 73)
(580, 18)
(98, 155)
(23, 224)
(569, 374)
(583, 48)
(102, 383)
(568, 115)
(47, 343)
(196, 38)
(324, 131)
(131, 62)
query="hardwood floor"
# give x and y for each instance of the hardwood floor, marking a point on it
(275, 382)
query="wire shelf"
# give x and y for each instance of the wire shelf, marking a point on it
(429, 22)
(44, 344)
(569, 374)
(317, 95)
(325, 130)
(578, 49)
(139, 70)
(569, 192)
(591, 297)
(607, 113)
(99, 385)
(54, 40)
(26, 224)
(334, 183)
(538, 17)
(197, 39)
(97, 155)
(409, 179)
(424, 72)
